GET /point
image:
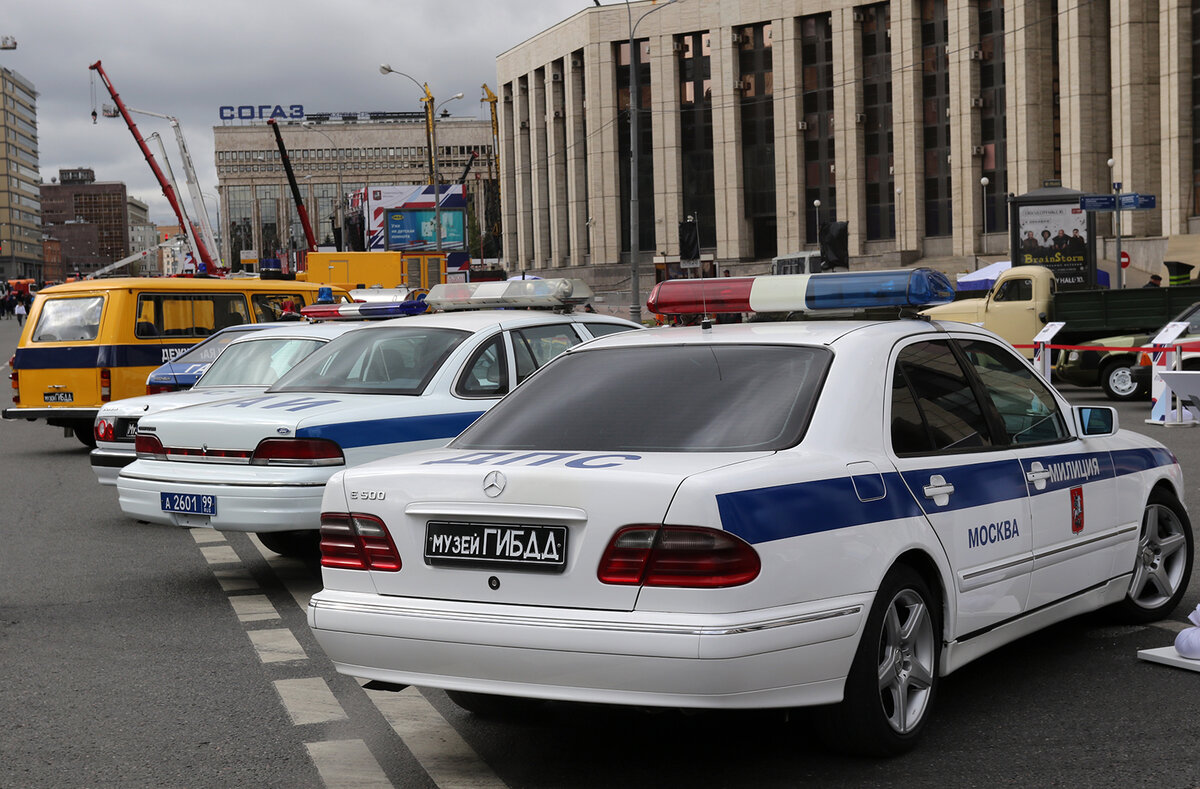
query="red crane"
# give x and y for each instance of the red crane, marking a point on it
(287, 168)
(167, 189)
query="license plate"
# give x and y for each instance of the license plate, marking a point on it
(541, 548)
(190, 503)
(58, 397)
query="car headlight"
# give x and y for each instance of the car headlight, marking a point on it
(1073, 356)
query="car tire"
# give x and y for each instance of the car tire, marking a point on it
(486, 705)
(1163, 564)
(1117, 381)
(85, 435)
(294, 544)
(893, 681)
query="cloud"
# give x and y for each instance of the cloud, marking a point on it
(188, 59)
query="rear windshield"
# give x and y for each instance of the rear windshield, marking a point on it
(257, 362)
(687, 398)
(63, 320)
(391, 360)
(206, 350)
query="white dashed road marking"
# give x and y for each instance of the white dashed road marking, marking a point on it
(438, 747)
(309, 700)
(276, 645)
(253, 608)
(347, 764)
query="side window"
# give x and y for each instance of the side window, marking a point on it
(270, 306)
(164, 315)
(1015, 290)
(934, 408)
(1022, 399)
(537, 345)
(486, 374)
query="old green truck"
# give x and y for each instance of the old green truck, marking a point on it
(1025, 298)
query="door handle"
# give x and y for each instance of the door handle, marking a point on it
(939, 490)
(1037, 474)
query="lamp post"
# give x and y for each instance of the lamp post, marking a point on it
(635, 307)
(341, 196)
(817, 205)
(437, 182)
(427, 100)
(1116, 188)
(899, 219)
(983, 185)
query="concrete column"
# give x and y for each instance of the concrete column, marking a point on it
(1175, 58)
(604, 163)
(789, 140)
(1084, 97)
(509, 215)
(539, 160)
(1135, 108)
(556, 154)
(733, 231)
(907, 125)
(668, 158)
(965, 128)
(576, 160)
(851, 174)
(1028, 74)
(523, 254)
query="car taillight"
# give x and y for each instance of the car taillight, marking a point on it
(685, 556)
(1144, 359)
(148, 446)
(104, 430)
(15, 377)
(105, 385)
(354, 541)
(159, 388)
(297, 452)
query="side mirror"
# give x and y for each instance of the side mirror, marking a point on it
(1042, 317)
(1096, 420)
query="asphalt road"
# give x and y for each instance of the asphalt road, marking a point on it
(136, 655)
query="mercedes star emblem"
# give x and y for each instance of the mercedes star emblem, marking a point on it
(493, 484)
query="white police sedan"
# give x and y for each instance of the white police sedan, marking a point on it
(246, 364)
(751, 515)
(259, 463)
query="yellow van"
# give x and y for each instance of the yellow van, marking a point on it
(86, 343)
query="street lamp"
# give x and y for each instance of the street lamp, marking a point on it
(635, 308)
(427, 100)
(899, 219)
(437, 182)
(817, 205)
(1116, 188)
(983, 183)
(341, 197)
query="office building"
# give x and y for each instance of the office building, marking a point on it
(20, 204)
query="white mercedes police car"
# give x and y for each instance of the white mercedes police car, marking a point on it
(259, 463)
(767, 514)
(249, 363)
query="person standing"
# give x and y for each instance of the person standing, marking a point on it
(20, 312)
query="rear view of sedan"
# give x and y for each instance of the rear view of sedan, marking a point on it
(259, 463)
(751, 516)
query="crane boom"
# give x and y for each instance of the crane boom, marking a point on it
(291, 176)
(167, 189)
(120, 263)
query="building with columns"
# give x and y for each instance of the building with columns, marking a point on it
(912, 120)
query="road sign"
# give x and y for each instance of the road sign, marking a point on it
(1128, 201)
(1146, 202)
(1098, 202)
(1124, 259)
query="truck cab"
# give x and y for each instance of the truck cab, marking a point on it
(1016, 308)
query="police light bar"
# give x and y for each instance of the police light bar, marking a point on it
(919, 287)
(512, 293)
(359, 310)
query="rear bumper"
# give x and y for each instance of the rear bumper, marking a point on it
(55, 416)
(262, 507)
(785, 657)
(107, 463)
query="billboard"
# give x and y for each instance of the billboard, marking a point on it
(1055, 236)
(415, 229)
(378, 203)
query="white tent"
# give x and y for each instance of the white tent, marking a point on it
(984, 278)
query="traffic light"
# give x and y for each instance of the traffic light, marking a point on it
(834, 239)
(689, 240)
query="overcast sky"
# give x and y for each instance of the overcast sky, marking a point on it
(187, 59)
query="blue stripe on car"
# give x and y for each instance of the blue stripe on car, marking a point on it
(783, 511)
(373, 432)
(85, 356)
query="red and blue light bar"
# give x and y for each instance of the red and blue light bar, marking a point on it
(360, 310)
(921, 287)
